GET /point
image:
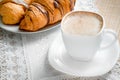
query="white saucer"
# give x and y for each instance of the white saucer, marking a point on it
(102, 63)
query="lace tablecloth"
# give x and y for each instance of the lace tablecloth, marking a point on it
(23, 57)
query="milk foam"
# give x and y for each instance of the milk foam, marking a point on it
(82, 24)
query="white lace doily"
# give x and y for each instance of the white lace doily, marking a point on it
(12, 61)
(16, 55)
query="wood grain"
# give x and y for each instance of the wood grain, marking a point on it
(110, 9)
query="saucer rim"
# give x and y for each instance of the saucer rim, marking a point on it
(78, 75)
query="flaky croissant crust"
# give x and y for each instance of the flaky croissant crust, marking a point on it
(12, 15)
(39, 13)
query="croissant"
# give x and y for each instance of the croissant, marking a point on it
(36, 17)
(11, 13)
(52, 8)
(45, 12)
(34, 14)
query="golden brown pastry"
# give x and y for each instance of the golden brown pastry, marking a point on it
(28, 1)
(39, 13)
(56, 8)
(36, 17)
(49, 6)
(51, 11)
(46, 3)
(16, 9)
(11, 13)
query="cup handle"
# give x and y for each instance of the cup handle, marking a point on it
(108, 35)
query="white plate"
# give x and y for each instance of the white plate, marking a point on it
(102, 63)
(15, 28)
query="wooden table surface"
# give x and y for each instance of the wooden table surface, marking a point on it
(110, 9)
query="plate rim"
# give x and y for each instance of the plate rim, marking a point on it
(46, 28)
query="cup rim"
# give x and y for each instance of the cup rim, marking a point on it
(96, 13)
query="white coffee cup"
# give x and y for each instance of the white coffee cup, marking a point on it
(84, 47)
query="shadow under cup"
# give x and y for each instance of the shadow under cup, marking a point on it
(81, 47)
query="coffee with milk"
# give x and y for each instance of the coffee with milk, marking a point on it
(82, 23)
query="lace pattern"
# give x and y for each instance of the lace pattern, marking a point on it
(12, 60)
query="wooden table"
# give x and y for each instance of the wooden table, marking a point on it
(110, 9)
